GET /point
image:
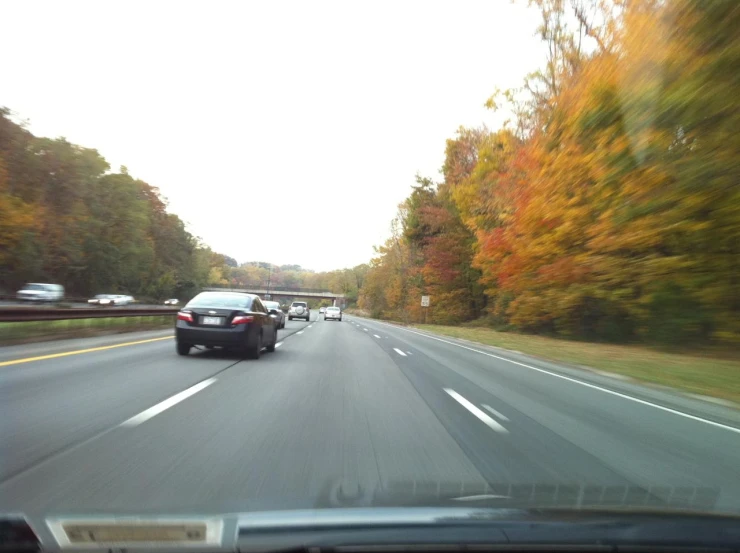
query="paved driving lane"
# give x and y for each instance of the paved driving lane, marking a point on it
(340, 409)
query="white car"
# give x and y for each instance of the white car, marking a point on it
(172, 301)
(110, 300)
(333, 313)
(322, 310)
(37, 291)
(299, 310)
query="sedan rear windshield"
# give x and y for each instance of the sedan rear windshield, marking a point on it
(271, 304)
(332, 309)
(218, 299)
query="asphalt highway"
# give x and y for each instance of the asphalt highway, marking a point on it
(338, 412)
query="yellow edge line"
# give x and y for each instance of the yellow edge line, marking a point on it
(77, 352)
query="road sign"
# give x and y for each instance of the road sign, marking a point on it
(425, 301)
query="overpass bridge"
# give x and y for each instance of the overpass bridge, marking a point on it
(284, 292)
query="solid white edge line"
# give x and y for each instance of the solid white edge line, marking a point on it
(492, 424)
(492, 410)
(167, 403)
(399, 352)
(576, 381)
(378, 337)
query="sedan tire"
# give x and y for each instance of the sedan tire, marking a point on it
(254, 352)
(183, 349)
(271, 347)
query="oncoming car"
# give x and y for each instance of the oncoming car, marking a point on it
(299, 310)
(333, 313)
(41, 292)
(110, 300)
(232, 320)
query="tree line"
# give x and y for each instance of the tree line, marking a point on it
(608, 208)
(66, 218)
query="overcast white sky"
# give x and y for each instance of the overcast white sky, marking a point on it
(279, 131)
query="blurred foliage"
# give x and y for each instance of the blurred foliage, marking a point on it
(65, 218)
(610, 208)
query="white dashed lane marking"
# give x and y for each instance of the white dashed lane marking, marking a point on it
(492, 410)
(144, 416)
(492, 424)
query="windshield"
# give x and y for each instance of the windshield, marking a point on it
(514, 226)
(223, 300)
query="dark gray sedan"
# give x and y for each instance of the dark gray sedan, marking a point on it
(231, 320)
(275, 311)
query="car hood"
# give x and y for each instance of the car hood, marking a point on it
(390, 527)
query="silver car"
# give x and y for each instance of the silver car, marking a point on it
(299, 310)
(41, 292)
(333, 314)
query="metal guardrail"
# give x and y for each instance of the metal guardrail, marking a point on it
(28, 315)
(272, 287)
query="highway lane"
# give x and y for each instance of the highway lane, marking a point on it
(566, 424)
(348, 406)
(52, 404)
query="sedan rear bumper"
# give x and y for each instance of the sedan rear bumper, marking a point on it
(204, 336)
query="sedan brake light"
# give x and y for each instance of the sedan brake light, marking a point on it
(185, 316)
(242, 319)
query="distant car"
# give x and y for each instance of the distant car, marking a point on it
(299, 310)
(322, 310)
(41, 292)
(274, 308)
(110, 300)
(226, 319)
(333, 313)
(173, 301)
